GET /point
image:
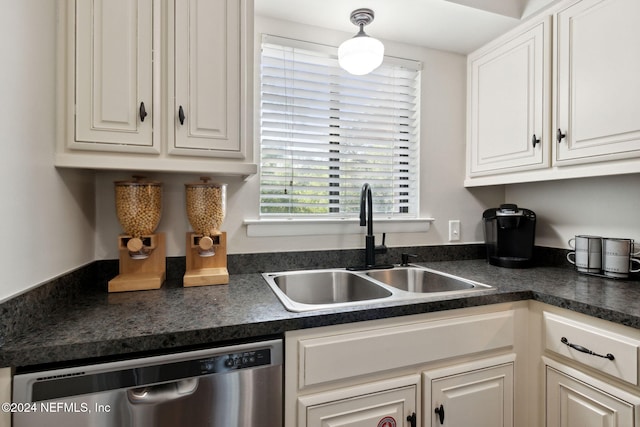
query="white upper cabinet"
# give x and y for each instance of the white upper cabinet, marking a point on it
(157, 85)
(508, 103)
(207, 87)
(114, 74)
(590, 125)
(598, 85)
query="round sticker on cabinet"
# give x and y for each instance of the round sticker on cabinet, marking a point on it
(387, 422)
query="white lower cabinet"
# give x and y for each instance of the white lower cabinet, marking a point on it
(390, 407)
(5, 395)
(575, 399)
(590, 370)
(385, 373)
(478, 394)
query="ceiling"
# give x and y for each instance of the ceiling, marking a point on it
(453, 25)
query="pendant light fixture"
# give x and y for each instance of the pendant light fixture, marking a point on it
(361, 54)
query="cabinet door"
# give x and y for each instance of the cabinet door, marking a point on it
(479, 398)
(573, 403)
(598, 89)
(509, 104)
(207, 77)
(5, 395)
(384, 409)
(114, 75)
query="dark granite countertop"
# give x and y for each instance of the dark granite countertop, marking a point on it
(96, 324)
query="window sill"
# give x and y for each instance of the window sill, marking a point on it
(274, 227)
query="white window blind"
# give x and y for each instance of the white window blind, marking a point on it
(325, 132)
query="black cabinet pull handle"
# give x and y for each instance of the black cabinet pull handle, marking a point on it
(440, 412)
(582, 349)
(560, 136)
(535, 141)
(181, 115)
(412, 419)
(143, 112)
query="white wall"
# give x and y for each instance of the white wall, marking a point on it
(442, 163)
(47, 215)
(50, 225)
(604, 206)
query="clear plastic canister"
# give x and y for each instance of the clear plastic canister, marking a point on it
(206, 206)
(138, 205)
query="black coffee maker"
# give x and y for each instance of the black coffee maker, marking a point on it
(509, 233)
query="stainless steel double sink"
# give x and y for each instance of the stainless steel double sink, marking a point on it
(309, 290)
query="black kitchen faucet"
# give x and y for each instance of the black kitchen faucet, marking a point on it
(366, 219)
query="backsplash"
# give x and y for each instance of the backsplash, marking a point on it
(34, 306)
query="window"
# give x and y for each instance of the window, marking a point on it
(325, 132)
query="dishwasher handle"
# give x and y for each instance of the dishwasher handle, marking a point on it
(162, 392)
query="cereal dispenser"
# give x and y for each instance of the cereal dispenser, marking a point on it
(141, 251)
(206, 245)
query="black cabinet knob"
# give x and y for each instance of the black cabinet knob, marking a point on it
(143, 112)
(560, 136)
(440, 412)
(181, 115)
(535, 141)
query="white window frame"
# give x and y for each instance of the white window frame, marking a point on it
(341, 223)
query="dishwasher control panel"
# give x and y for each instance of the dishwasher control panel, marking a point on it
(233, 361)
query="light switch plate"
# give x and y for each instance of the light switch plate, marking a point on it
(454, 230)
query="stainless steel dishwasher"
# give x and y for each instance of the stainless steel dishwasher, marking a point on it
(236, 386)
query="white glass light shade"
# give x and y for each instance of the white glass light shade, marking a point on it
(360, 55)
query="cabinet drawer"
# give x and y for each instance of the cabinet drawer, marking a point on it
(353, 354)
(624, 349)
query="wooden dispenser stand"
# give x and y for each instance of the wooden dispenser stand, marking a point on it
(206, 270)
(141, 274)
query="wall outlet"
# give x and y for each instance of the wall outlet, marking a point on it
(454, 230)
